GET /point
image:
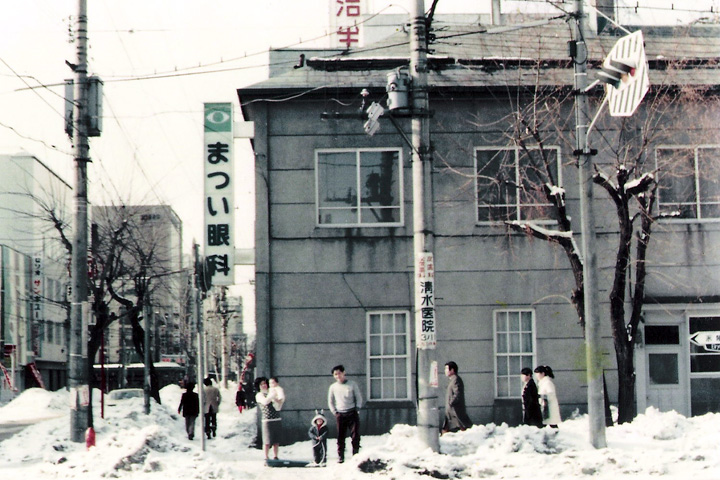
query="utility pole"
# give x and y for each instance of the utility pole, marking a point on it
(596, 406)
(423, 237)
(146, 351)
(79, 381)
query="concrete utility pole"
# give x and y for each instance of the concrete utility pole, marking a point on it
(146, 352)
(596, 406)
(423, 237)
(78, 371)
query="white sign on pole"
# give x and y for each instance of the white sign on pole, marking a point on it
(219, 199)
(425, 321)
(628, 54)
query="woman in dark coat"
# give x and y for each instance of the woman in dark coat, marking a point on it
(530, 400)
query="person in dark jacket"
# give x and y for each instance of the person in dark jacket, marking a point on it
(240, 398)
(530, 400)
(190, 408)
(456, 418)
(318, 434)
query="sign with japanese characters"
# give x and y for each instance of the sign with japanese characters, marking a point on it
(425, 322)
(219, 199)
(710, 341)
(36, 303)
(346, 23)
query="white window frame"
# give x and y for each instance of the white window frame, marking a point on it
(358, 151)
(710, 311)
(496, 355)
(518, 205)
(696, 177)
(370, 357)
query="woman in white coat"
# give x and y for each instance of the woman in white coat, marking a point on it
(548, 396)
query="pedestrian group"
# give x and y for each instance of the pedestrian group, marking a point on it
(540, 408)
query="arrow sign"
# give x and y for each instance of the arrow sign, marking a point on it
(710, 341)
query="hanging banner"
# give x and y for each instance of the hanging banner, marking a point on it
(219, 199)
(425, 322)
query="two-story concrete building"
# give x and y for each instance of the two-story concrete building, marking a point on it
(334, 252)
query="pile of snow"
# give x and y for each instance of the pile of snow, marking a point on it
(131, 444)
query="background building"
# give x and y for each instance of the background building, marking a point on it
(33, 204)
(334, 254)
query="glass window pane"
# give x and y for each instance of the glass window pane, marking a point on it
(401, 368)
(400, 320)
(527, 362)
(676, 190)
(501, 321)
(495, 182)
(337, 179)
(387, 324)
(388, 345)
(503, 386)
(401, 345)
(514, 321)
(662, 335)
(514, 343)
(709, 178)
(388, 368)
(502, 343)
(502, 365)
(663, 368)
(375, 346)
(375, 370)
(388, 386)
(526, 321)
(374, 323)
(401, 388)
(376, 388)
(527, 342)
(515, 365)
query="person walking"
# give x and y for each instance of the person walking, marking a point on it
(530, 399)
(345, 402)
(456, 417)
(271, 426)
(190, 408)
(548, 396)
(240, 398)
(211, 406)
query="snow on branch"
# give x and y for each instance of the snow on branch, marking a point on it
(639, 185)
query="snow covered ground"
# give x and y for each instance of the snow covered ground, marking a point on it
(132, 445)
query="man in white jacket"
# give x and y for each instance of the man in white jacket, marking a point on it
(345, 401)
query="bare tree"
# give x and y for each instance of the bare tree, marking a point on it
(626, 171)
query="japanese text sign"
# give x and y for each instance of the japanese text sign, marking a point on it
(346, 22)
(219, 200)
(425, 321)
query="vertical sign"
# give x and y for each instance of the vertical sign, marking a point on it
(219, 200)
(37, 302)
(425, 327)
(346, 23)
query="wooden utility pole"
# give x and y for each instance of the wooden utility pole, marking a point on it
(596, 406)
(78, 362)
(423, 233)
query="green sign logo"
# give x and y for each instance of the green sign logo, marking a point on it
(218, 117)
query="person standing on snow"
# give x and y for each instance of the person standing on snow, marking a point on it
(211, 406)
(530, 400)
(318, 434)
(271, 426)
(548, 396)
(345, 401)
(190, 408)
(456, 418)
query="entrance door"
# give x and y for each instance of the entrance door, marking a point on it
(666, 369)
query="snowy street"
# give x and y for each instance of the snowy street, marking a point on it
(133, 445)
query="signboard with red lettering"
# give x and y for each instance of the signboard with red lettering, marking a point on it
(425, 326)
(346, 23)
(219, 200)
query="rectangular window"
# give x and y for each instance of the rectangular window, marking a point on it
(510, 183)
(689, 181)
(704, 344)
(514, 349)
(388, 347)
(359, 187)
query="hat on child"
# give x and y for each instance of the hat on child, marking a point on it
(318, 416)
